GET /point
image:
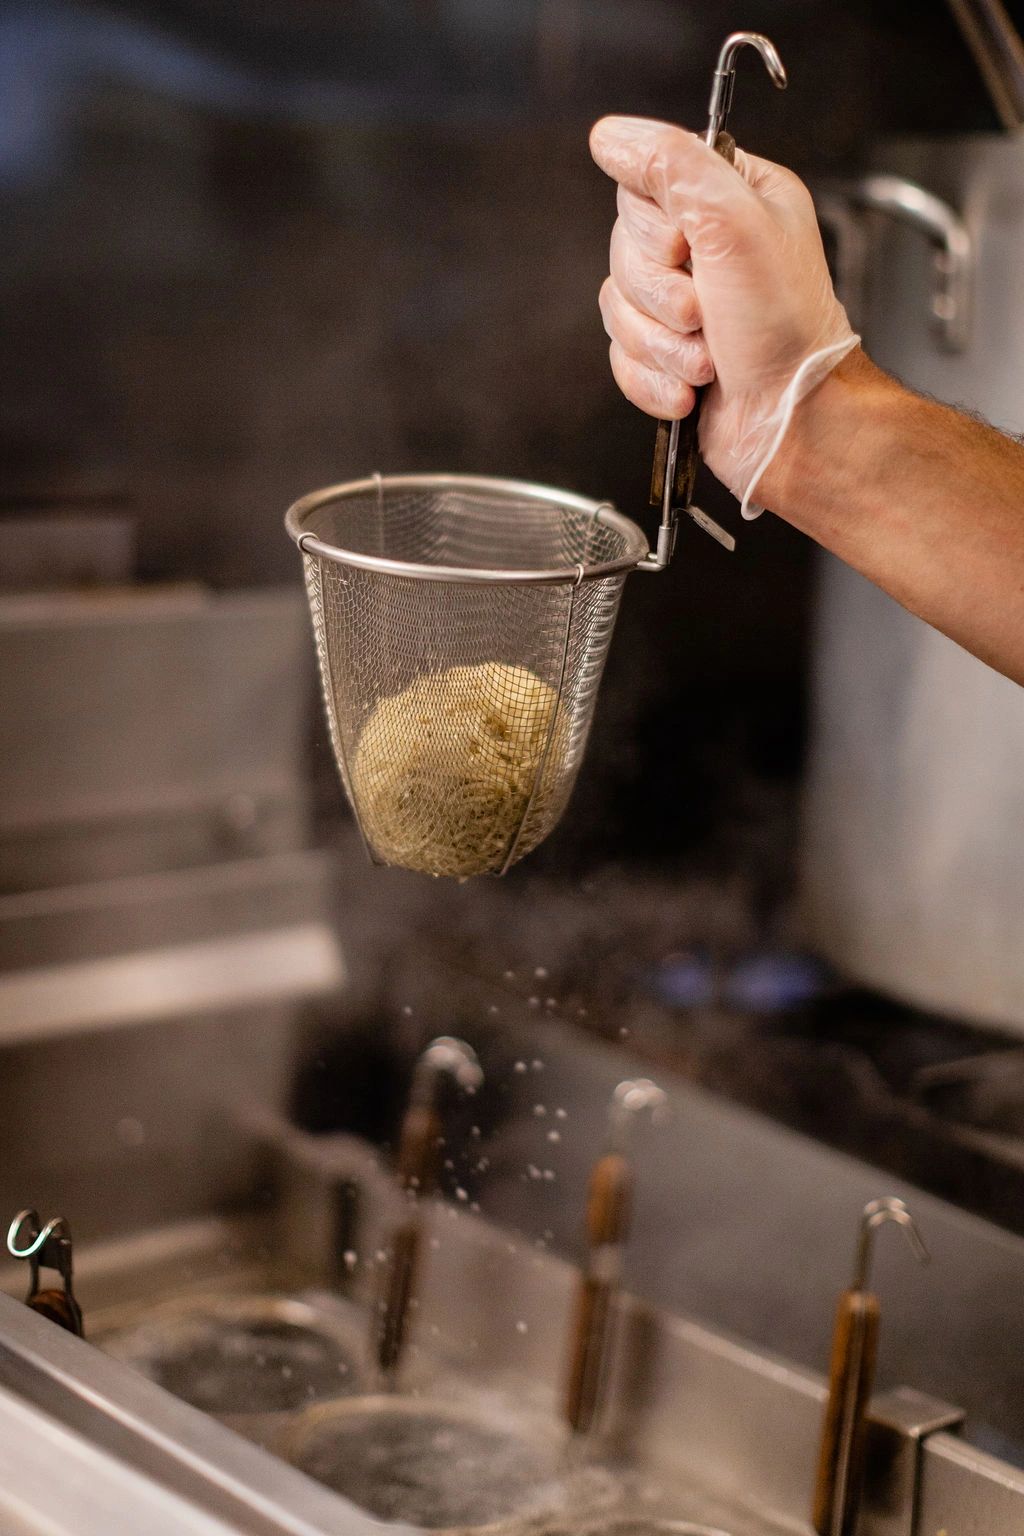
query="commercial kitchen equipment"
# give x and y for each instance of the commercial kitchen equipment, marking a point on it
(609, 1195)
(843, 1455)
(718, 1432)
(913, 873)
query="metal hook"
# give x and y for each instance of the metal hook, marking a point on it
(58, 1228)
(632, 1098)
(450, 1055)
(676, 452)
(418, 1149)
(876, 1214)
(724, 80)
(48, 1246)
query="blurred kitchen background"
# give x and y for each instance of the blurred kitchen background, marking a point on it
(249, 249)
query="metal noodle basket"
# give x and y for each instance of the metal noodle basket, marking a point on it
(461, 629)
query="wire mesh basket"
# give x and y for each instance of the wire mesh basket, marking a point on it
(461, 630)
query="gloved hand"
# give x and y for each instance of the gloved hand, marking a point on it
(756, 317)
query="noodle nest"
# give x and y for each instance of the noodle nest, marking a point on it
(444, 771)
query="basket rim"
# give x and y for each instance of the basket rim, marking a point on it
(309, 544)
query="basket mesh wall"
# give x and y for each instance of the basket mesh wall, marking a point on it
(459, 712)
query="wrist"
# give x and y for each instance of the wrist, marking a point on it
(815, 469)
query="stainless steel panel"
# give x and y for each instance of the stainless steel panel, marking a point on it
(49, 550)
(137, 720)
(914, 839)
(106, 918)
(180, 1452)
(142, 1019)
(721, 1429)
(966, 1493)
(66, 1486)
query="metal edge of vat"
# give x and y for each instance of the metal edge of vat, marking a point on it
(133, 1427)
(690, 1402)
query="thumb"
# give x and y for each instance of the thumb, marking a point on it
(694, 187)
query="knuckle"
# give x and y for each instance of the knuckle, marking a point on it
(675, 397)
(683, 307)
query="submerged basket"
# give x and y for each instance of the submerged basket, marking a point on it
(461, 629)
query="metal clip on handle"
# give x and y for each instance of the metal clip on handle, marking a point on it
(841, 1458)
(608, 1201)
(418, 1149)
(48, 1247)
(676, 451)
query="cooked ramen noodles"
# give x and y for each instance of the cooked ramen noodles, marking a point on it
(449, 774)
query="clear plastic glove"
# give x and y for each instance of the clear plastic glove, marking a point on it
(755, 317)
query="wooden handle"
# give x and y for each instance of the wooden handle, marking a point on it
(587, 1352)
(608, 1200)
(59, 1308)
(688, 451)
(418, 1148)
(844, 1434)
(396, 1292)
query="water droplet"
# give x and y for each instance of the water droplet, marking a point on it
(351, 1258)
(407, 1011)
(549, 1175)
(537, 1064)
(550, 1002)
(474, 1206)
(494, 1010)
(539, 1110)
(533, 1170)
(623, 1033)
(541, 973)
(381, 1256)
(510, 975)
(522, 1327)
(520, 1066)
(554, 1135)
(474, 1130)
(534, 1002)
(561, 1114)
(461, 1194)
(449, 1163)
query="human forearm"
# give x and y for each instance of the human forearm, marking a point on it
(925, 501)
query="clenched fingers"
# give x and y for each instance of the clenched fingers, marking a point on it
(656, 346)
(659, 394)
(664, 293)
(654, 234)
